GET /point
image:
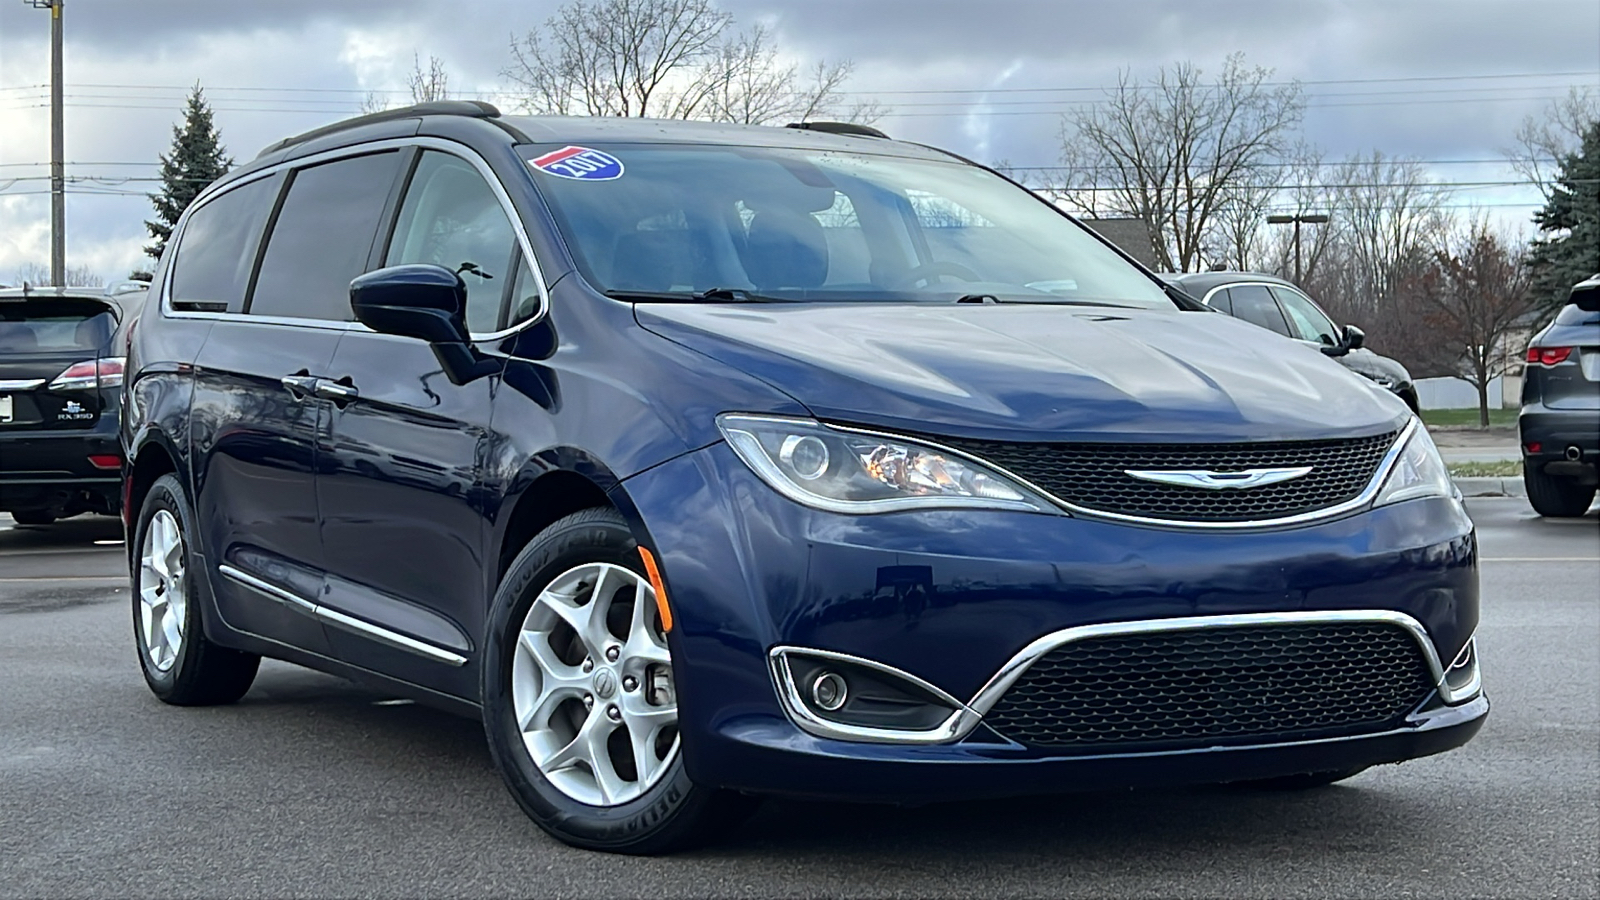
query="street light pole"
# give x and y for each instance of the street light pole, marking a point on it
(58, 174)
(1296, 220)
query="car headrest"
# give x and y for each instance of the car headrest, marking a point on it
(785, 248)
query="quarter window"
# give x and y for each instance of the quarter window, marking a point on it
(218, 247)
(323, 238)
(451, 218)
(1252, 303)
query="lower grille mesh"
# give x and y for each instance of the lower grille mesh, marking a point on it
(1241, 684)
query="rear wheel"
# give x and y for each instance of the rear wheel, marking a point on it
(1556, 497)
(33, 516)
(579, 702)
(180, 664)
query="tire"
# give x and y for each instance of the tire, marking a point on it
(1301, 782)
(658, 809)
(169, 591)
(33, 516)
(1555, 497)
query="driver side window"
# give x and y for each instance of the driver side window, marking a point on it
(1306, 321)
(451, 218)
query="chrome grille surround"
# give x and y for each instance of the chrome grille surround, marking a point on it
(1095, 484)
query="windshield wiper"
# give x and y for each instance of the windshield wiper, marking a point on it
(709, 295)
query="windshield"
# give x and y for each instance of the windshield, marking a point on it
(679, 221)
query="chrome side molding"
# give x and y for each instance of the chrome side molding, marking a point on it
(342, 621)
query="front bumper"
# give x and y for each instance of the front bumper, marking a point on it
(950, 596)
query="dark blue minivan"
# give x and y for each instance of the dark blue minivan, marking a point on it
(707, 462)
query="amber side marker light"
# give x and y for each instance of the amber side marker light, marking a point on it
(660, 589)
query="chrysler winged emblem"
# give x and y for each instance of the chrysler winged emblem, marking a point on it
(1217, 481)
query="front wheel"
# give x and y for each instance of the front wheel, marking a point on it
(579, 702)
(1555, 497)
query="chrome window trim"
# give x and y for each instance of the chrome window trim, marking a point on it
(970, 714)
(21, 384)
(1361, 500)
(342, 621)
(425, 143)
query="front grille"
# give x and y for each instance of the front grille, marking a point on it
(1091, 476)
(1239, 684)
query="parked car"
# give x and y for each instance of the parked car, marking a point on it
(1560, 420)
(1277, 305)
(60, 392)
(704, 462)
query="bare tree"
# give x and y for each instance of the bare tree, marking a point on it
(677, 59)
(618, 57)
(426, 85)
(1389, 211)
(1476, 296)
(1306, 192)
(1177, 150)
(1543, 142)
(37, 274)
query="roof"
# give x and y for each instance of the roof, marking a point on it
(1198, 283)
(601, 129)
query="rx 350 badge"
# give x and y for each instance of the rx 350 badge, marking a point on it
(73, 411)
(579, 164)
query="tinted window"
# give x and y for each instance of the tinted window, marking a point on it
(451, 218)
(323, 237)
(1305, 320)
(218, 248)
(54, 326)
(524, 295)
(1252, 303)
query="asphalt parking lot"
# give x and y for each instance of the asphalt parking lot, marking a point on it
(312, 786)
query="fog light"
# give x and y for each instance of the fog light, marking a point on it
(1463, 680)
(828, 691)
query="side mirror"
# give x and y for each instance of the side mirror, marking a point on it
(417, 301)
(1354, 338)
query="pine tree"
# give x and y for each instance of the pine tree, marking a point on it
(196, 159)
(1561, 260)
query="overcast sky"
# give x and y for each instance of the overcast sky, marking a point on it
(1446, 81)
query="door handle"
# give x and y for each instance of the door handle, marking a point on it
(300, 385)
(341, 392)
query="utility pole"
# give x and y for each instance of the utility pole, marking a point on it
(58, 174)
(1296, 219)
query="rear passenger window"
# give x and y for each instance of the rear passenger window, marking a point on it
(451, 218)
(323, 237)
(1221, 300)
(218, 247)
(1252, 303)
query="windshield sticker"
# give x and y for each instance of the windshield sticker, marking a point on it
(580, 163)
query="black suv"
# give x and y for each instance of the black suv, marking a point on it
(1277, 305)
(1560, 420)
(61, 357)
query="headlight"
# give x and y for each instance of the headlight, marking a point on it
(847, 471)
(1418, 472)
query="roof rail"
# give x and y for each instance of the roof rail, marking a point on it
(850, 128)
(476, 109)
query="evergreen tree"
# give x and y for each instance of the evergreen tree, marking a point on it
(196, 159)
(1559, 260)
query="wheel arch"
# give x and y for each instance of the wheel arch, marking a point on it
(550, 486)
(154, 458)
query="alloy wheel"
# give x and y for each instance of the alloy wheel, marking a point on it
(591, 685)
(163, 595)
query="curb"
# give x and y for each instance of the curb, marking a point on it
(1491, 487)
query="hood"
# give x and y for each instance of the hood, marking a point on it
(1036, 372)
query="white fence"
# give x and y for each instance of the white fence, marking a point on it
(1456, 393)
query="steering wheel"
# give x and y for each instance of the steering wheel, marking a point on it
(928, 273)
